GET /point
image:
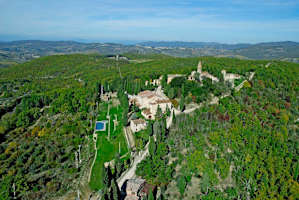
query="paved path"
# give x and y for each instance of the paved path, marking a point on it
(138, 157)
(130, 173)
(178, 112)
(129, 137)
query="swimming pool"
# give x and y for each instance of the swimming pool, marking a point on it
(101, 125)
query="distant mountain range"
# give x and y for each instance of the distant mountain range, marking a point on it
(176, 44)
(21, 51)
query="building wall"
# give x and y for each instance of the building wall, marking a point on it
(172, 76)
(146, 102)
(137, 127)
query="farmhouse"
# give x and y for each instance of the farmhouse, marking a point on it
(138, 125)
(149, 101)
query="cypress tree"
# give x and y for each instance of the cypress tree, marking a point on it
(173, 117)
(182, 103)
(115, 193)
(118, 165)
(151, 195)
(152, 146)
(159, 112)
(163, 128)
(106, 179)
(157, 129)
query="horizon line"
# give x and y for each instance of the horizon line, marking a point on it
(136, 42)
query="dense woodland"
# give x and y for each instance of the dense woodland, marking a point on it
(245, 147)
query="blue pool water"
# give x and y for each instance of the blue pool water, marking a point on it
(100, 126)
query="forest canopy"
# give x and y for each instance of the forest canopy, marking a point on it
(244, 147)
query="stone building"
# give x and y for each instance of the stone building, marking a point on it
(138, 125)
(208, 75)
(201, 74)
(230, 77)
(137, 189)
(134, 189)
(149, 101)
(170, 77)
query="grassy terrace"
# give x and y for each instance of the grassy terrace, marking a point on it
(107, 149)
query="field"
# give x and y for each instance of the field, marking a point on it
(107, 149)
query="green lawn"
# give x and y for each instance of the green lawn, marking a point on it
(107, 149)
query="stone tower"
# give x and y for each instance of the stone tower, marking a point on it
(199, 67)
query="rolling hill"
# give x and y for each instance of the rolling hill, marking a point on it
(21, 51)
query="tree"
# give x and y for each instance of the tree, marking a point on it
(173, 117)
(152, 146)
(181, 184)
(150, 128)
(171, 93)
(118, 165)
(5, 187)
(182, 103)
(163, 128)
(168, 111)
(114, 191)
(159, 113)
(157, 129)
(151, 195)
(164, 81)
(205, 183)
(125, 117)
(106, 178)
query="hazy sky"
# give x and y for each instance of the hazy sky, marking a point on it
(229, 21)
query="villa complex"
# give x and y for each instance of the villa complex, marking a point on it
(149, 101)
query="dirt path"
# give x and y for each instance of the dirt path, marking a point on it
(95, 137)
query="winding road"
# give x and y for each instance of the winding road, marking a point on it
(130, 173)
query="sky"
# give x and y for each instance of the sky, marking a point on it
(225, 21)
